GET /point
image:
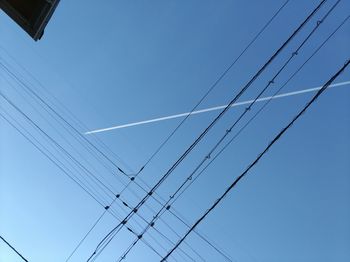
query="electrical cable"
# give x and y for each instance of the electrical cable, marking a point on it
(131, 179)
(206, 130)
(166, 205)
(263, 107)
(50, 158)
(245, 172)
(19, 254)
(212, 87)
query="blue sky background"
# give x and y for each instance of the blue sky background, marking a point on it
(116, 62)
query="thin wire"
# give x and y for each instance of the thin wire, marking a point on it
(277, 137)
(131, 179)
(228, 131)
(70, 114)
(213, 86)
(66, 140)
(210, 90)
(19, 254)
(53, 160)
(199, 138)
(20, 111)
(263, 107)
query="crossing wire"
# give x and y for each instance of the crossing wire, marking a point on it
(212, 87)
(111, 234)
(64, 151)
(228, 131)
(89, 173)
(58, 164)
(262, 108)
(245, 172)
(51, 158)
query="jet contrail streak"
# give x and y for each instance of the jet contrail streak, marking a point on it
(213, 108)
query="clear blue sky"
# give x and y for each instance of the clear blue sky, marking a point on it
(116, 62)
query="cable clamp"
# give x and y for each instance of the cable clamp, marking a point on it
(132, 178)
(106, 207)
(135, 210)
(168, 207)
(117, 195)
(150, 193)
(152, 224)
(319, 22)
(139, 236)
(295, 53)
(123, 222)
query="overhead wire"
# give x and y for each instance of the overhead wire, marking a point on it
(59, 165)
(116, 195)
(167, 204)
(252, 164)
(263, 107)
(14, 249)
(206, 130)
(47, 136)
(55, 161)
(251, 41)
(212, 87)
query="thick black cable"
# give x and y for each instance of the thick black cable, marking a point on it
(263, 107)
(199, 138)
(19, 254)
(228, 131)
(245, 172)
(256, 114)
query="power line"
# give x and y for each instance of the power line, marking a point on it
(19, 254)
(245, 172)
(263, 107)
(89, 173)
(166, 205)
(206, 130)
(212, 87)
(51, 158)
(66, 152)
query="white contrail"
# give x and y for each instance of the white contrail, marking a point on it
(213, 108)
